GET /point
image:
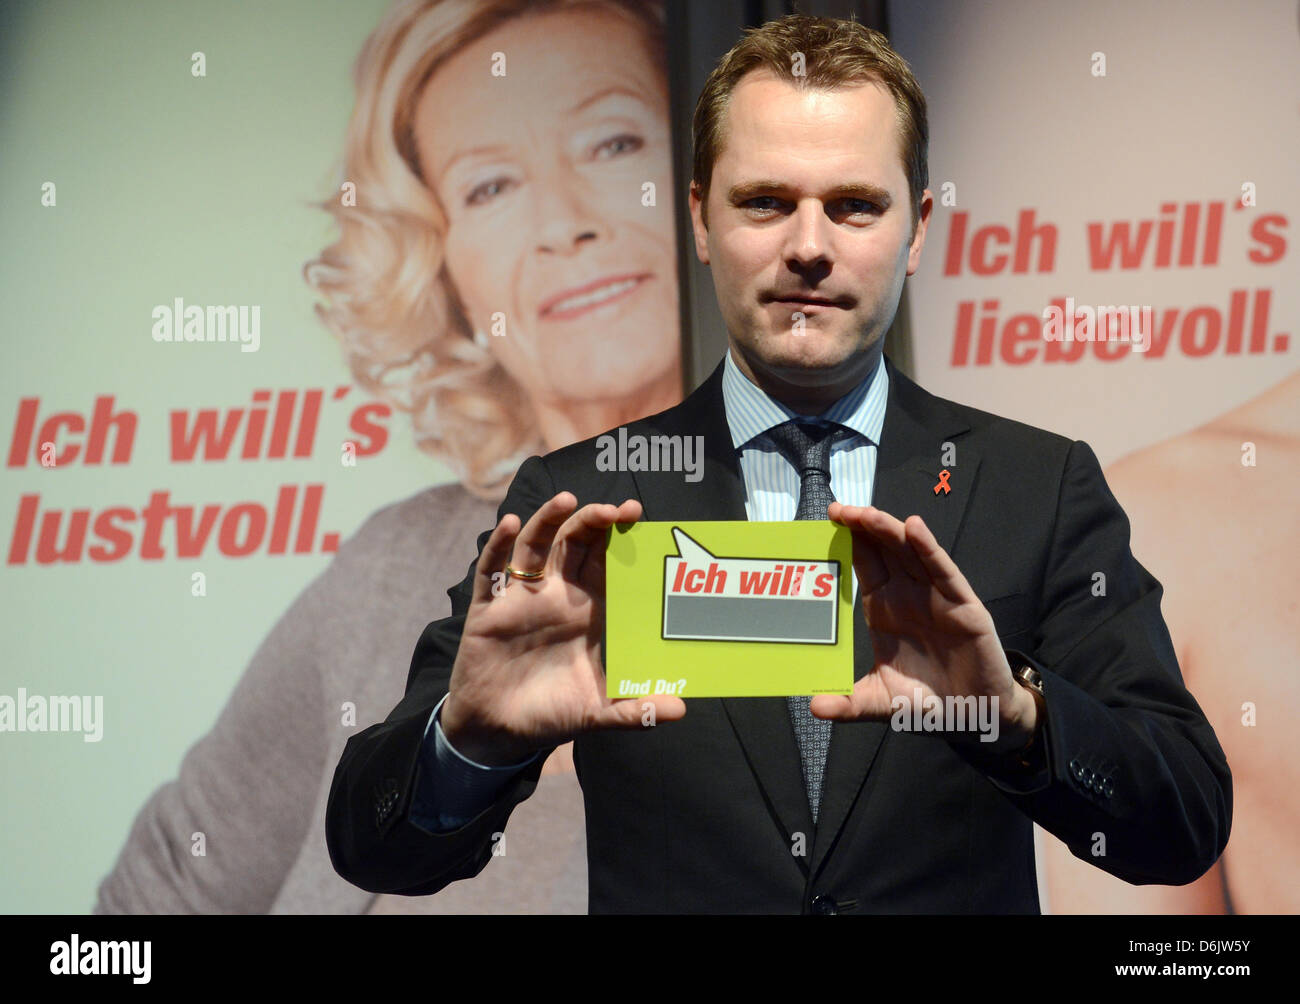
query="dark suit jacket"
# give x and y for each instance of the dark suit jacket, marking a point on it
(703, 815)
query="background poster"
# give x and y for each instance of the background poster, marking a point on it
(230, 546)
(1064, 135)
(164, 151)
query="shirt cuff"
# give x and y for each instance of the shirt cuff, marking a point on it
(452, 789)
(1026, 784)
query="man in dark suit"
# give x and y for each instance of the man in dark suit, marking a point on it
(810, 220)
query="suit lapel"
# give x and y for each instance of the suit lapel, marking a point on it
(907, 469)
(720, 493)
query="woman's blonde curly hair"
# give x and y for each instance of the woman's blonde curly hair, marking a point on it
(406, 338)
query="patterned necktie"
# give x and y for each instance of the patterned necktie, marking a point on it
(808, 448)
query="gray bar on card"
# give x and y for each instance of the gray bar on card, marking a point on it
(758, 618)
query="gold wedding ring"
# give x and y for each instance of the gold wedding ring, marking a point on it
(529, 576)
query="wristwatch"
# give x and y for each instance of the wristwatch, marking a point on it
(1032, 680)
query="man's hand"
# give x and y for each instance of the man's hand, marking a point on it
(528, 672)
(929, 630)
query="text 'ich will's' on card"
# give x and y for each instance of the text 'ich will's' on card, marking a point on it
(729, 609)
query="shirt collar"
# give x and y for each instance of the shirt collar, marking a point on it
(751, 412)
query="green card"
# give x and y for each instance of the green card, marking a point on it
(729, 609)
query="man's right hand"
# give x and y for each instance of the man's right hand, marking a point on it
(528, 673)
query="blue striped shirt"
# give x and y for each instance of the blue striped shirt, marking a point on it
(771, 481)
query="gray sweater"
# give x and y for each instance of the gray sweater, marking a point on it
(256, 785)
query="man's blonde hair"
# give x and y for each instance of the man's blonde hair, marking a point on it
(830, 53)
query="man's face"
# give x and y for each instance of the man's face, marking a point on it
(810, 234)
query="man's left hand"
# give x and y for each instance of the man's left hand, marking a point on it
(929, 631)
